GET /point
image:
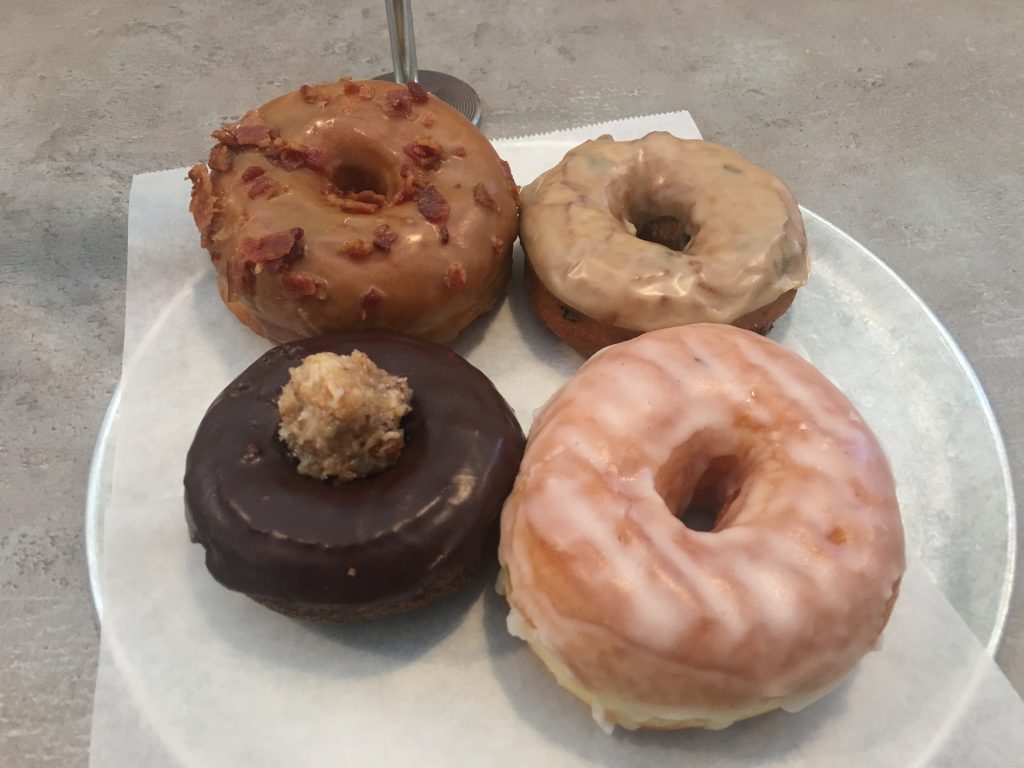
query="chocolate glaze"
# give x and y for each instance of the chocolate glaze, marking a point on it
(388, 538)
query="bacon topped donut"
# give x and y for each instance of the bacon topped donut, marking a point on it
(356, 205)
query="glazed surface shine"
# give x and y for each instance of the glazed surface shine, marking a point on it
(379, 265)
(747, 245)
(652, 622)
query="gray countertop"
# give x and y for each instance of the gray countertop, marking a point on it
(901, 124)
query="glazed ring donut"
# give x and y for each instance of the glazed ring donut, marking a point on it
(655, 624)
(627, 237)
(356, 205)
(379, 545)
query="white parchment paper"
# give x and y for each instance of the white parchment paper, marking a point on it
(191, 674)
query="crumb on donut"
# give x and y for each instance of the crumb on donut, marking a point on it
(341, 416)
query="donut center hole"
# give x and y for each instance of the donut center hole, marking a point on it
(663, 230)
(360, 178)
(714, 491)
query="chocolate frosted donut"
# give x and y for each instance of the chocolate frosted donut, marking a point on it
(382, 544)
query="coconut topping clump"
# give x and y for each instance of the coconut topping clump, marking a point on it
(341, 416)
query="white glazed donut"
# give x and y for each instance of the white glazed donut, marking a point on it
(658, 625)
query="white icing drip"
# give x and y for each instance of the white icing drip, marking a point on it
(784, 600)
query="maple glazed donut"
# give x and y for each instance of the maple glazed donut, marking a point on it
(631, 236)
(658, 625)
(356, 205)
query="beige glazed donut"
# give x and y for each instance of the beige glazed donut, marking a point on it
(655, 624)
(632, 236)
(356, 205)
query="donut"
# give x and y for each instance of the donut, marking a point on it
(627, 237)
(379, 545)
(657, 624)
(356, 205)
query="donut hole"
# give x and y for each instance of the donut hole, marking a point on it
(663, 230)
(701, 498)
(361, 178)
(356, 164)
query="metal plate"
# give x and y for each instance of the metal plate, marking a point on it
(868, 331)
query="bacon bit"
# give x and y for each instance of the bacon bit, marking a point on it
(384, 238)
(512, 186)
(225, 137)
(432, 205)
(362, 90)
(311, 94)
(250, 131)
(214, 256)
(202, 203)
(221, 158)
(207, 235)
(425, 152)
(299, 284)
(397, 104)
(417, 92)
(428, 119)
(292, 156)
(459, 152)
(352, 206)
(356, 249)
(263, 185)
(372, 298)
(408, 191)
(366, 201)
(442, 234)
(455, 277)
(483, 197)
(251, 173)
(276, 252)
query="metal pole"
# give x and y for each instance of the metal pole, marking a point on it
(403, 44)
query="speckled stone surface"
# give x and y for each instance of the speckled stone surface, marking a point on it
(900, 124)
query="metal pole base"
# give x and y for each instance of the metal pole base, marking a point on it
(448, 89)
